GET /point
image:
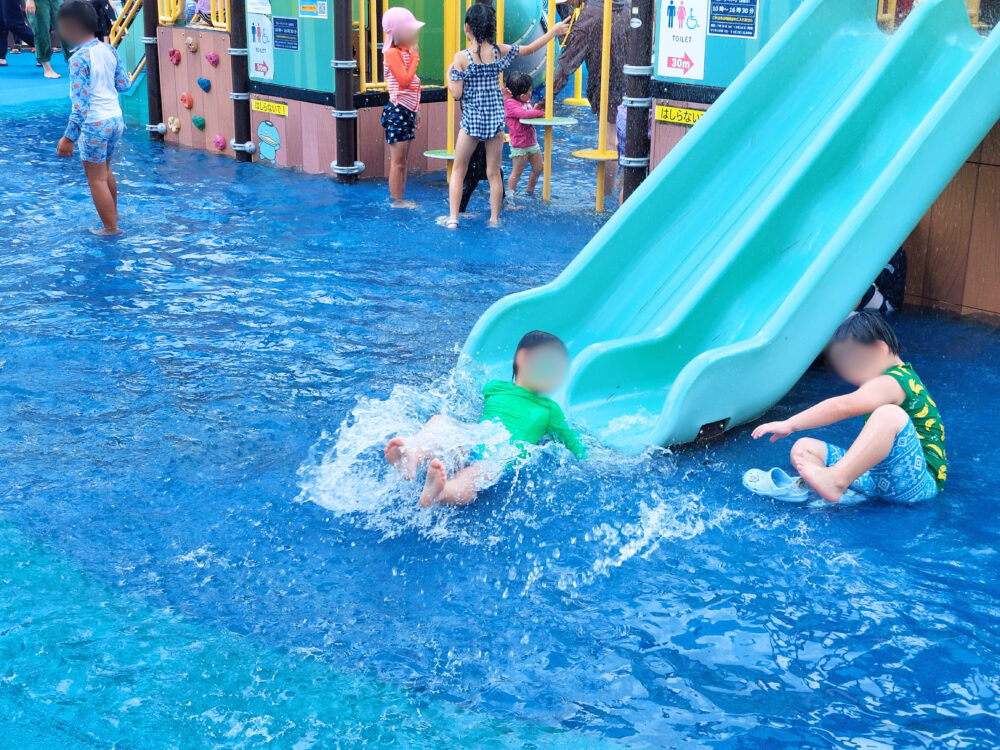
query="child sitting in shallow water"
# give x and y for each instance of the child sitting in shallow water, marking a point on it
(899, 454)
(540, 364)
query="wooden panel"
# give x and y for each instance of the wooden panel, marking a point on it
(371, 141)
(215, 105)
(948, 244)
(436, 119)
(168, 81)
(916, 256)
(190, 70)
(289, 152)
(982, 281)
(319, 138)
(990, 152)
(218, 113)
(665, 136)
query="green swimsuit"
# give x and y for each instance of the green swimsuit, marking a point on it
(527, 416)
(923, 412)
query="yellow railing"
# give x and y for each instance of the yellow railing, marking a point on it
(170, 11)
(137, 72)
(220, 14)
(368, 35)
(887, 12)
(121, 25)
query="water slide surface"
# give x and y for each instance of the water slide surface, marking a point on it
(707, 295)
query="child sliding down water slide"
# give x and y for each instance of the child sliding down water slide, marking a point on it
(520, 407)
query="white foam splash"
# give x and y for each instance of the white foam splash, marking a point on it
(347, 475)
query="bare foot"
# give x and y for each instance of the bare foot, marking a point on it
(493, 224)
(397, 455)
(48, 72)
(437, 478)
(103, 232)
(403, 204)
(821, 479)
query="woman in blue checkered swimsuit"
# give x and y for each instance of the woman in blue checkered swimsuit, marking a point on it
(474, 77)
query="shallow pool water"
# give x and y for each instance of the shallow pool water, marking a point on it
(201, 547)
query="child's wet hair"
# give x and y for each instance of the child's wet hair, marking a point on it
(482, 22)
(81, 13)
(535, 339)
(867, 327)
(519, 84)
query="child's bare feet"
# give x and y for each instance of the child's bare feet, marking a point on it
(437, 478)
(48, 72)
(822, 479)
(403, 204)
(104, 232)
(397, 455)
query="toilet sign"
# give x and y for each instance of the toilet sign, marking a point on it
(680, 49)
(260, 47)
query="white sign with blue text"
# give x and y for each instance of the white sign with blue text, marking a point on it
(680, 50)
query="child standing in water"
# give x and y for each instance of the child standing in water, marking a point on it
(474, 77)
(401, 114)
(96, 76)
(521, 407)
(899, 454)
(524, 146)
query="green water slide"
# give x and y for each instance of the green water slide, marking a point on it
(708, 294)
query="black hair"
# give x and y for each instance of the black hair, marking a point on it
(535, 339)
(519, 84)
(867, 327)
(81, 13)
(482, 22)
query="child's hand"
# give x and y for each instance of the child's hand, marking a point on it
(29, 7)
(561, 28)
(65, 147)
(776, 430)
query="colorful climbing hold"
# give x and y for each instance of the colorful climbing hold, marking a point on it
(205, 84)
(220, 142)
(213, 59)
(174, 123)
(191, 43)
(187, 101)
(174, 55)
(198, 122)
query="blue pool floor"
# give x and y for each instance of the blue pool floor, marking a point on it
(201, 547)
(22, 84)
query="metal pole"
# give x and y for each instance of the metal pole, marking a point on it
(150, 18)
(241, 77)
(346, 166)
(638, 70)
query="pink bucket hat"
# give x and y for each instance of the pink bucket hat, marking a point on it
(396, 20)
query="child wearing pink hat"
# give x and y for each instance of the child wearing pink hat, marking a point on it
(401, 115)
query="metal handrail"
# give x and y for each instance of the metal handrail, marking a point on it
(124, 21)
(370, 77)
(170, 11)
(220, 14)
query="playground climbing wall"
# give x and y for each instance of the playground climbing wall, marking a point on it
(195, 82)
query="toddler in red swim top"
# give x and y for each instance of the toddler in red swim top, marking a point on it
(524, 146)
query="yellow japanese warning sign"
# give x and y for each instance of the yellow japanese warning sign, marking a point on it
(270, 108)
